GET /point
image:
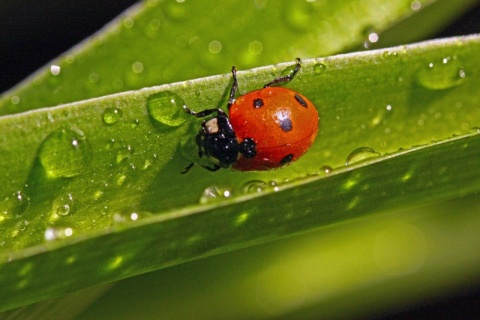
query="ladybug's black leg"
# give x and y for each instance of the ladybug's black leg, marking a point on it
(203, 113)
(187, 168)
(286, 78)
(234, 88)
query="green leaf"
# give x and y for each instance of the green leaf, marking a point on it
(158, 42)
(109, 209)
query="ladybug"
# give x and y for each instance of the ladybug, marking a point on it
(265, 129)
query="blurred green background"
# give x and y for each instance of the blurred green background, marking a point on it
(31, 28)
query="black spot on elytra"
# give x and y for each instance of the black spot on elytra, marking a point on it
(287, 159)
(301, 101)
(286, 124)
(257, 103)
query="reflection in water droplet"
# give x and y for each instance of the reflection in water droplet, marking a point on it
(326, 169)
(361, 154)
(371, 37)
(443, 74)
(254, 186)
(55, 70)
(63, 205)
(112, 115)
(65, 153)
(215, 193)
(166, 108)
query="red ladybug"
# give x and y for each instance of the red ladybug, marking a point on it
(266, 129)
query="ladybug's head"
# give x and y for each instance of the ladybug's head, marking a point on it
(217, 140)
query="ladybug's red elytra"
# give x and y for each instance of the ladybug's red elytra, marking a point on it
(265, 129)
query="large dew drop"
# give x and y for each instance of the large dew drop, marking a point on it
(65, 153)
(440, 75)
(166, 108)
(361, 154)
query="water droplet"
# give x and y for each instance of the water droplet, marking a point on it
(65, 153)
(254, 186)
(443, 74)
(55, 70)
(63, 205)
(15, 204)
(326, 169)
(361, 154)
(215, 193)
(134, 216)
(112, 115)
(166, 108)
(371, 37)
(319, 68)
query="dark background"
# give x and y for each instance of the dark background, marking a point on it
(34, 32)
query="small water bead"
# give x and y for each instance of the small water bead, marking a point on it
(319, 68)
(112, 115)
(361, 154)
(166, 108)
(443, 74)
(65, 153)
(326, 169)
(63, 205)
(215, 193)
